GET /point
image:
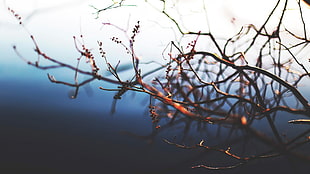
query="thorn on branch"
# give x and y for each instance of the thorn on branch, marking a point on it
(135, 31)
(16, 15)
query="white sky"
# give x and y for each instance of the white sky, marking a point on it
(220, 12)
(55, 22)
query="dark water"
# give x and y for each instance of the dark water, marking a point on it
(42, 130)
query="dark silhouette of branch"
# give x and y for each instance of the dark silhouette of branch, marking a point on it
(222, 85)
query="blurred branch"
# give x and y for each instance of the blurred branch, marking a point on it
(115, 4)
(225, 86)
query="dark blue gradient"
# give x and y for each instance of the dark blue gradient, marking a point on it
(42, 130)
